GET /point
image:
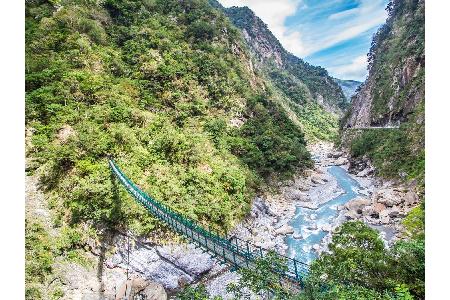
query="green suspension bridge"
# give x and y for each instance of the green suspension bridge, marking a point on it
(234, 251)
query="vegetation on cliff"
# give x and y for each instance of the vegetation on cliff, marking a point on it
(394, 93)
(398, 45)
(157, 85)
(165, 88)
(312, 96)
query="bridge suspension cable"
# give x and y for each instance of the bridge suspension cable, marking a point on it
(235, 252)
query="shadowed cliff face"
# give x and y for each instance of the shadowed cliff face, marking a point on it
(395, 85)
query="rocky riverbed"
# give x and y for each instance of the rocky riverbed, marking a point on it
(381, 204)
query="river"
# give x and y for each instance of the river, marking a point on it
(308, 223)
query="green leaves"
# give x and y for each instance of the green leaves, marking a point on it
(193, 293)
(402, 292)
(137, 80)
(415, 222)
(357, 256)
(262, 279)
(272, 144)
(359, 267)
(393, 151)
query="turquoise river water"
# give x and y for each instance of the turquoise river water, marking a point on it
(308, 222)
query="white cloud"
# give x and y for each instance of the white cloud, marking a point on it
(369, 14)
(274, 14)
(343, 14)
(321, 31)
(356, 70)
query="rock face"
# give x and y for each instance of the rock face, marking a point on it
(357, 204)
(171, 266)
(139, 288)
(294, 194)
(395, 85)
(411, 198)
(386, 206)
(285, 229)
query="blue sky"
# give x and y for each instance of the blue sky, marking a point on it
(334, 34)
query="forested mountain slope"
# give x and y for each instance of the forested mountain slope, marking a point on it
(165, 87)
(271, 53)
(311, 97)
(392, 95)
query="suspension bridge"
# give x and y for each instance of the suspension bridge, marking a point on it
(233, 251)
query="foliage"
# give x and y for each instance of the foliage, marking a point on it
(269, 142)
(402, 292)
(263, 279)
(144, 81)
(414, 222)
(408, 266)
(43, 250)
(194, 293)
(359, 267)
(38, 259)
(357, 257)
(394, 152)
(316, 122)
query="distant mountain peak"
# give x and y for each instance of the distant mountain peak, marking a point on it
(348, 86)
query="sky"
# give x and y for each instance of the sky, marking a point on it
(334, 34)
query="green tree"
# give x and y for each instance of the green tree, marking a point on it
(195, 293)
(264, 279)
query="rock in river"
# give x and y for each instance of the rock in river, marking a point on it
(293, 194)
(312, 226)
(340, 161)
(297, 236)
(285, 229)
(326, 227)
(357, 204)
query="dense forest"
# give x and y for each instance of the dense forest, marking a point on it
(163, 87)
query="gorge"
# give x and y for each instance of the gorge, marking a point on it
(207, 112)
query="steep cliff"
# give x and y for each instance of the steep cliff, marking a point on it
(393, 96)
(395, 85)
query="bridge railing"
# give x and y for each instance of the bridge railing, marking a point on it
(236, 247)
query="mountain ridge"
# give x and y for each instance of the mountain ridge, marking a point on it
(395, 84)
(270, 53)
